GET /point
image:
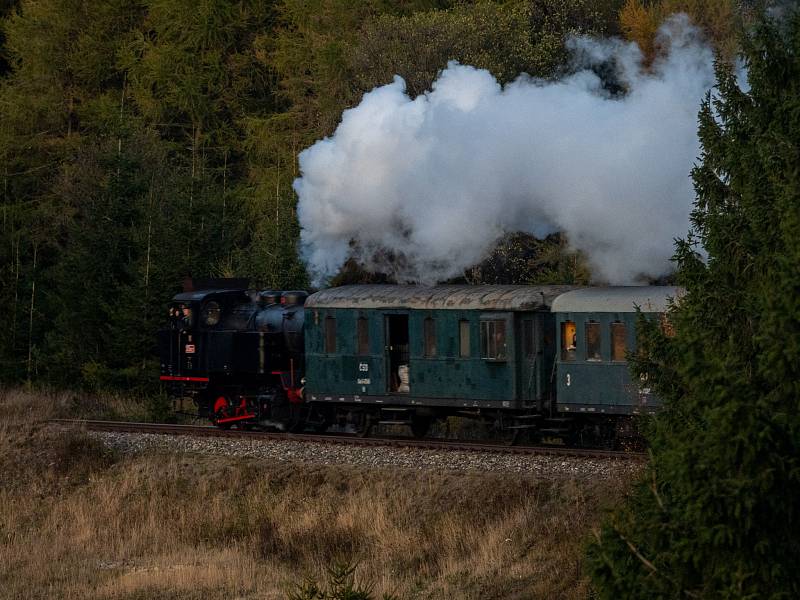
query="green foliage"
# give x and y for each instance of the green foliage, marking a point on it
(143, 142)
(507, 39)
(717, 514)
(6, 6)
(520, 259)
(341, 585)
(122, 168)
(159, 409)
(308, 51)
(191, 66)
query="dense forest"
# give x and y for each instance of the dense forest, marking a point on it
(145, 142)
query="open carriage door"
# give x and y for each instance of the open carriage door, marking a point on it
(397, 354)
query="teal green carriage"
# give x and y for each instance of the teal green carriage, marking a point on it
(596, 328)
(431, 351)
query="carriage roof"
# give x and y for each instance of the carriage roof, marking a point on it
(439, 297)
(650, 299)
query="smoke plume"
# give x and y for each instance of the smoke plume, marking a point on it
(438, 179)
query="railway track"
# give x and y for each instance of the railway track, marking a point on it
(352, 440)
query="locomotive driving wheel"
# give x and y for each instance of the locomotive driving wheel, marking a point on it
(222, 409)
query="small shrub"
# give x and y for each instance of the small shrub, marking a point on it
(139, 380)
(159, 409)
(341, 585)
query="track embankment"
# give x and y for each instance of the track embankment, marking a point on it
(379, 452)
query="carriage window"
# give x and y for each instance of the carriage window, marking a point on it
(593, 341)
(330, 335)
(493, 340)
(569, 340)
(528, 341)
(618, 345)
(429, 333)
(463, 339)
(362, 332)
(666, 325)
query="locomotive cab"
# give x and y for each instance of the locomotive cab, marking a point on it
(189, 353)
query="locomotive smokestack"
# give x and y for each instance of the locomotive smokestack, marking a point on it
(438, 179)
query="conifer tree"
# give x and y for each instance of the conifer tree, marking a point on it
(717, 514)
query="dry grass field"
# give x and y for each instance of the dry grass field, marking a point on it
(77, 521)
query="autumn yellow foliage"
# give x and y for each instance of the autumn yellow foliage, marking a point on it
(640, 19)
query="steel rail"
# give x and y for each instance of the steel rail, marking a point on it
(346, 439)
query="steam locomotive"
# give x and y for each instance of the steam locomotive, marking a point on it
(541, 360)
(238, 354)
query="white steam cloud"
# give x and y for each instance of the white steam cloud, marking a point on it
(438, 179)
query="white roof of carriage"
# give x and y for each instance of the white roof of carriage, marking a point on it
(650, 299)
(452, 297)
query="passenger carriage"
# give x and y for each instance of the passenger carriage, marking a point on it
(597, 328)
(413, 353)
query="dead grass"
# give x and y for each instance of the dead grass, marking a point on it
(107, 406)
(77, 521)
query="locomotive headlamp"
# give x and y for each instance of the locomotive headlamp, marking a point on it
(211, 314)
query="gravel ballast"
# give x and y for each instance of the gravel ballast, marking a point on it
(369, 456)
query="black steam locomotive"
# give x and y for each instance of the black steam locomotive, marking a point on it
(238, 353)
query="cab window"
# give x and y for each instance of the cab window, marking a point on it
(211, 314)
(181, 316)
(569, 340)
